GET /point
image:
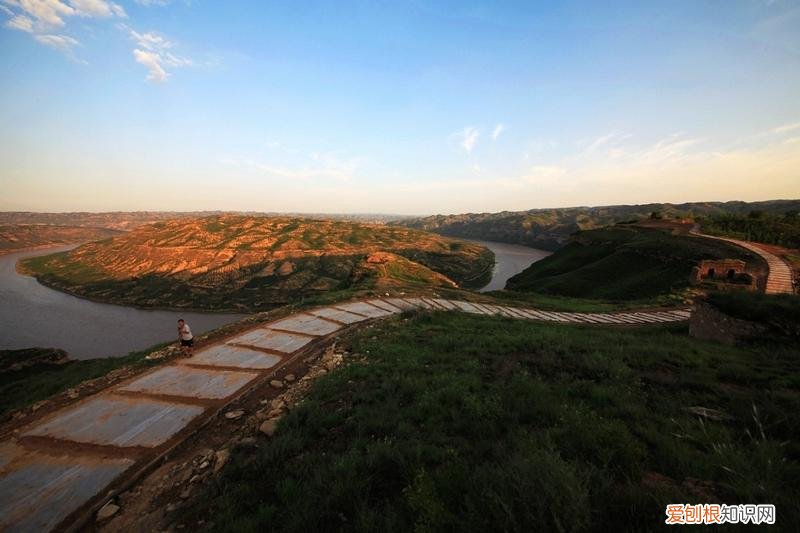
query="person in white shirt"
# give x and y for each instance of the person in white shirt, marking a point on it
(185, 337)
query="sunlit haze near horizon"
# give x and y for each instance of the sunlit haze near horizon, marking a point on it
(395, 107)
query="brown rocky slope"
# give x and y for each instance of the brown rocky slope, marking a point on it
(241, 262)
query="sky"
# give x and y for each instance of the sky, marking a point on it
(411, 107)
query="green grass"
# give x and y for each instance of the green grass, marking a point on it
(780, 312)
(24, 387)
(449, 422)
(621, 264)
(783, 230)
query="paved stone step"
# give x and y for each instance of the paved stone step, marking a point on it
(223, 355)
(306, 324)
(39, 491)
(118, 421)
(268, 339)
(365, 309)
(175, 380)
(338, 315)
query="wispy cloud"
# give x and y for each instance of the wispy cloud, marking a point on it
(786, 128)
(497, 131)
(295, 165)
(21, 23)
(153, 51)
(467, 138)
(607, 140)
(41, 18)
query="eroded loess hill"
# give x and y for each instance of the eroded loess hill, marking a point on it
(19, 236)
(235, 262)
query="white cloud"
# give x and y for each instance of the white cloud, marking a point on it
(63, 43)
(150, 40)
(151, 60)
(41, 17)
(467, 138)
(97, 8)
(786, 128)
(153, 52)
(497, 131)
(609, 139)
(292, 164)
(21, 22)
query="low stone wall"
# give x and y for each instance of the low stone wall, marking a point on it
(710, 324)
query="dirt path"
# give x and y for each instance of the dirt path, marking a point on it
(780, 279)
(58, 471)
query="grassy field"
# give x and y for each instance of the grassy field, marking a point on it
(450, 422)
(779, 312)
(622, 263)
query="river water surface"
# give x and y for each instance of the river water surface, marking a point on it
(510, 259)
(34, 315)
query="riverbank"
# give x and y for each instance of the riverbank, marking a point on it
(35, 315)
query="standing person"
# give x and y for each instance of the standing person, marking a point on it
(185, 337)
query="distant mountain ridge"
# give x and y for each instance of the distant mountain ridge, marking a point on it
(550, 228)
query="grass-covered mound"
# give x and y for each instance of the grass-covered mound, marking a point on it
(247, 262)
(622, 263)
(450, 422)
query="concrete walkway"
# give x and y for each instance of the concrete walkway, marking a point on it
(779, 278)
(70, 460)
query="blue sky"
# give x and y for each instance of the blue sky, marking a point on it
(398, 107)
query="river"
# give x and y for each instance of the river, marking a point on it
(510, 259)
(34, 315)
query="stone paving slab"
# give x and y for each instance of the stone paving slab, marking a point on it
(117, 421)
(469, 308)
(385, 306)
(268, 339)
(401, 304)
(632, 318)
(232, 356)
(190, 382)
(306, 324)
(447, 304)
(482, 307)
(419, 302)
(38, 495)
(363, 308)
(338, 315)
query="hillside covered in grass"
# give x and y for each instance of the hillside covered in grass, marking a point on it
(449, 422)
(622, 263)
(550, 229)
(781, 230)
(240, 262)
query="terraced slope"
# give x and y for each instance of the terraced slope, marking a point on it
(18, 236)
(241, 262)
